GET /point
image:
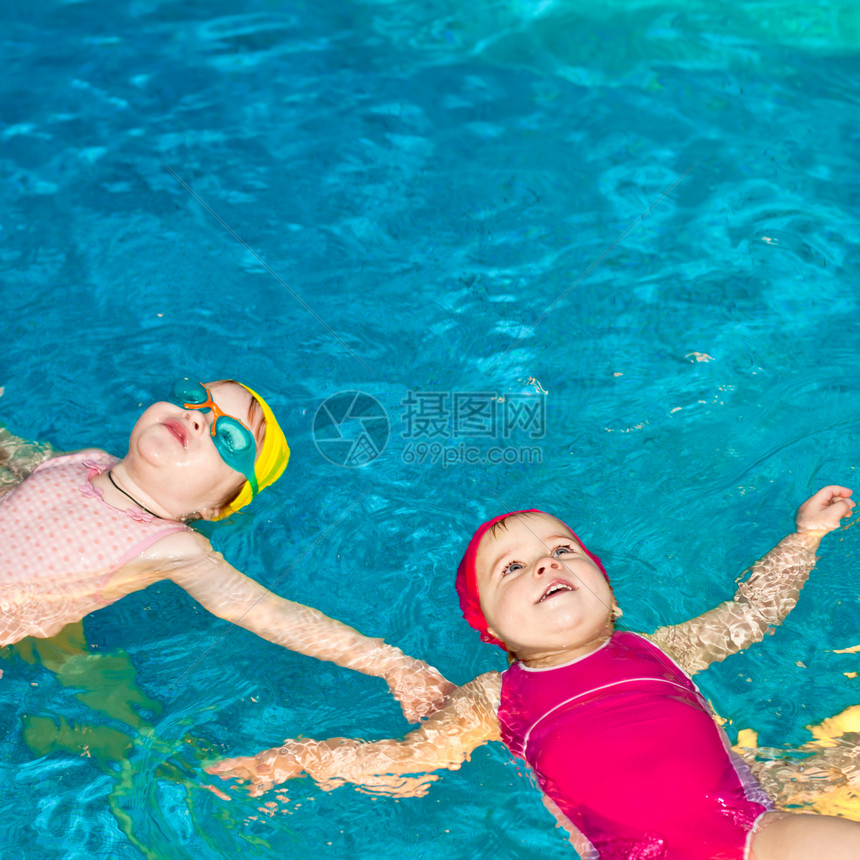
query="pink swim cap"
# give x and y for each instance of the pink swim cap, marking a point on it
(467, 576)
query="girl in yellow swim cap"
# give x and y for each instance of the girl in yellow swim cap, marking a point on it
(85, 529)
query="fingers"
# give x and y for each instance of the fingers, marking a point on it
(219, 766)
(261, 775)
(440, 698)
(828, 494)
(419, 699)
(825, 497)
(231, 768)
(411, 714)
(419, 703)
(416, 710)
(243, 769)
(260, 787)
(824, 510)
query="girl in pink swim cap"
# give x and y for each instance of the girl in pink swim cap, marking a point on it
(622, 743)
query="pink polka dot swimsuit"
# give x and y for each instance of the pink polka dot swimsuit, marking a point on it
(61, 542)
(622, 741)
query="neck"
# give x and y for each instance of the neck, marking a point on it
(546, 658)
(120, 480)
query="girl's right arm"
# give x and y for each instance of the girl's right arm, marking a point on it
(445, 740)
(763, 600)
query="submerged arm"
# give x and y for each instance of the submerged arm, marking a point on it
(444, 741)
(18, 458)
(765, 599)
(231, 595)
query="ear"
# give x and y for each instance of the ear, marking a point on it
(616, 610)
(494, 634)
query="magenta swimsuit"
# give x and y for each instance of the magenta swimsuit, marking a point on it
(628, 749)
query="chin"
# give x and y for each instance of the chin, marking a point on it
(152, 451)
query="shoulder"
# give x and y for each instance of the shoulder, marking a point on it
(668, 641)
(487, 687)
(473, 709)
(180, 547)
(660, 639)
(95, 456)
(79, 456)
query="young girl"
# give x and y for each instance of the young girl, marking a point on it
(82, 530)
(622, 743)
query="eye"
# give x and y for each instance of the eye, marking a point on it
(564, 549)
(510, 568)
(231, 436)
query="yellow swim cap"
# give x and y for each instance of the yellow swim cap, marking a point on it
(270, 463)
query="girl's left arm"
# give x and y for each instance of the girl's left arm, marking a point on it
(763, 600)
(231, 595)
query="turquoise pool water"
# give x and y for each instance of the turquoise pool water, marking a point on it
(643, 218)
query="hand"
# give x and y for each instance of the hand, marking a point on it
(419, 688)
(264, 770)
(824, 511)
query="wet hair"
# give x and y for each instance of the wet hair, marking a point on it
(231, 496)
(502, 525)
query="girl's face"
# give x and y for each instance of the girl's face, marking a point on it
(540, 593)
(173, 447)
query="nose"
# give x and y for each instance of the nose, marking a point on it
(194, 419)
(547, 564)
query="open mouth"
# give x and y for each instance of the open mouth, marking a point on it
(555, 589)
(176, 428)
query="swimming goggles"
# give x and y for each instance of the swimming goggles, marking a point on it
(233, 441)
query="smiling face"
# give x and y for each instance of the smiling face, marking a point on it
(540, 593)
(173, 458)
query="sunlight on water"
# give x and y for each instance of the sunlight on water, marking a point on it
(642, 215)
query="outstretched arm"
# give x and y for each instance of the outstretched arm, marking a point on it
(231, 595)
(18, 458)
(443, 741)
(766, 598)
